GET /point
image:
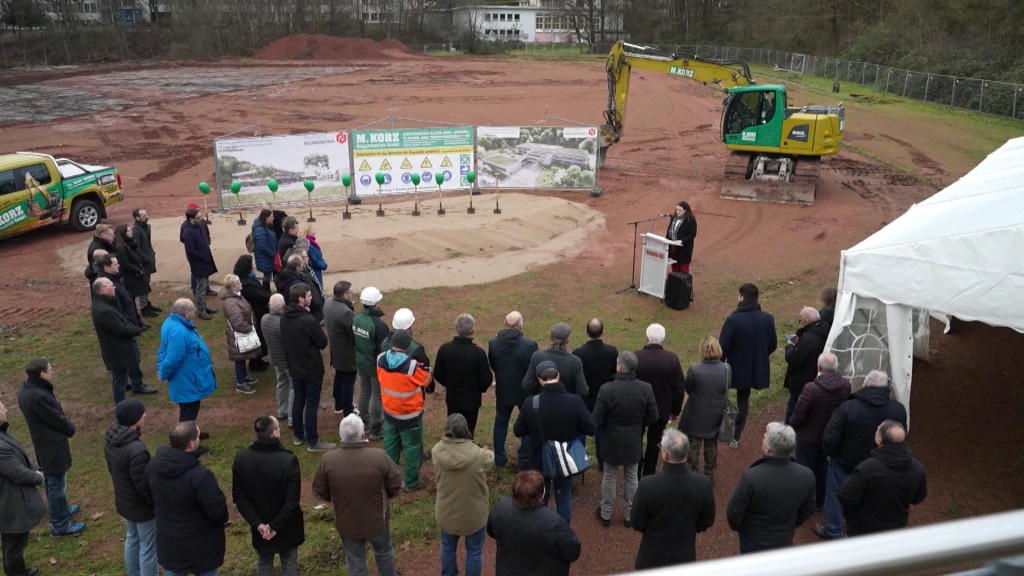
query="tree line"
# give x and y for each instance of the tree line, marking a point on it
(979, 38)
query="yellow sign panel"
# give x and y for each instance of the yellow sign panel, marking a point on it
(365, 166)
(385, 165)
(406, 165)
(426, 163)
(446, 163)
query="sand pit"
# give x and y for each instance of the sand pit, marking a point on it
(400, 250)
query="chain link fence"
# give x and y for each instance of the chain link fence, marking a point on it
(975, 94)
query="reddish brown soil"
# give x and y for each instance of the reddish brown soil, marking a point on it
(321, 47)
(966, 403)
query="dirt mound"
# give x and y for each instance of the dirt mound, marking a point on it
(321, 47)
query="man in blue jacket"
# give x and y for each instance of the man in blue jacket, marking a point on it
(748, 339)
(183, 360)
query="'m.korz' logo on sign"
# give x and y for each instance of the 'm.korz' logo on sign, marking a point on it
(679, 71)
(799, 133)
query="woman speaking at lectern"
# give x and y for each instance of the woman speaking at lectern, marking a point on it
(682, 227)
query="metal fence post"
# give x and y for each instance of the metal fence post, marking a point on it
(927, 83)
(887, 77)
(1015, 93)
(952, 96)
(981, 96)
(906, 81)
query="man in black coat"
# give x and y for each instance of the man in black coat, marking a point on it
(570, 368)
(624, 407)
(509, 354)
(558, 415)
(878, 494)
(50, 430)
(661, 369)
(304, 339)
(289, 275)
(266, 487)
(461, 367)
(21, 508)
(849, 439)
(127, 458)
(190, 508)
(144, 240)
(289, 234)
(116, 335)
(200, 259)
(672, 507)
(103, 239)
(598, 367)
(802, 351)
(748, 339)
(774, 496)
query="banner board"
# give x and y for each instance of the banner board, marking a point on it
(321, 157)
(397, 154)
(537, 156)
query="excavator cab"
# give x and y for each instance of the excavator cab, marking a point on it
(753, 115)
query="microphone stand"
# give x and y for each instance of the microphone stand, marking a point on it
(632, 270)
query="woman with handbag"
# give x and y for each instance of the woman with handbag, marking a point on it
(258, 298)
(707, 385)
(240, 332)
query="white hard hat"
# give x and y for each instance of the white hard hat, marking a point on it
(370, 296)
(403, 319)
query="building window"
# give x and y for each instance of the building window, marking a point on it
(517, 17)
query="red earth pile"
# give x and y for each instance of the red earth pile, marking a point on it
(321, 47)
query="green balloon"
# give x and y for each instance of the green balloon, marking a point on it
(415, 177)
(272, 184)
(470, 176)
(439, 178)
(309, 185)
(346, 179)
(204, 187)
(236, 187)
(379, 177)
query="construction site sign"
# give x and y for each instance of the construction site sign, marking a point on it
(400, 153)
(290, 160)
(537, 156)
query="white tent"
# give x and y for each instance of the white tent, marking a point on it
(955, 254)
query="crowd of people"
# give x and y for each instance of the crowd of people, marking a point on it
(654, 423)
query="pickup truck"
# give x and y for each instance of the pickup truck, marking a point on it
(39, 190)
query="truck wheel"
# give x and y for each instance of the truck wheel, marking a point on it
(85, 215)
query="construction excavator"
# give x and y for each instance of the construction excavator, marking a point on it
(775, 151)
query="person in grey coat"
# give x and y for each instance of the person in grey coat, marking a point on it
(624, 407)
(338, 314)
(707, 384)
(271, 324)
(21, 508)
(774, 495)
(570, 367)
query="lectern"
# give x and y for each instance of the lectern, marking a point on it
(655, 264)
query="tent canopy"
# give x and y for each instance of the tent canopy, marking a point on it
(954, 254)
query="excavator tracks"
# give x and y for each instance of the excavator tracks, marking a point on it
(799, 190)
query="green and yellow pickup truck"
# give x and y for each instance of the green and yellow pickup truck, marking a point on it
(39, 190)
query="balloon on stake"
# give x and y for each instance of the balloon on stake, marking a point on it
(308, 185)
(379, 177)
(415, 177)
(439, 178)
(236, 187)
(471, 177)
(272, 185)
(346, 180)
(205, 189)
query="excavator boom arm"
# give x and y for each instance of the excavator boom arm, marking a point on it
(623, 57)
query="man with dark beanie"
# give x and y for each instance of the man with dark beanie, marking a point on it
(127, 458)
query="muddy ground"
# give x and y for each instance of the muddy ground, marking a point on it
(157, 124)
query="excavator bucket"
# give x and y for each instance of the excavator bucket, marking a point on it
(799, 190)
